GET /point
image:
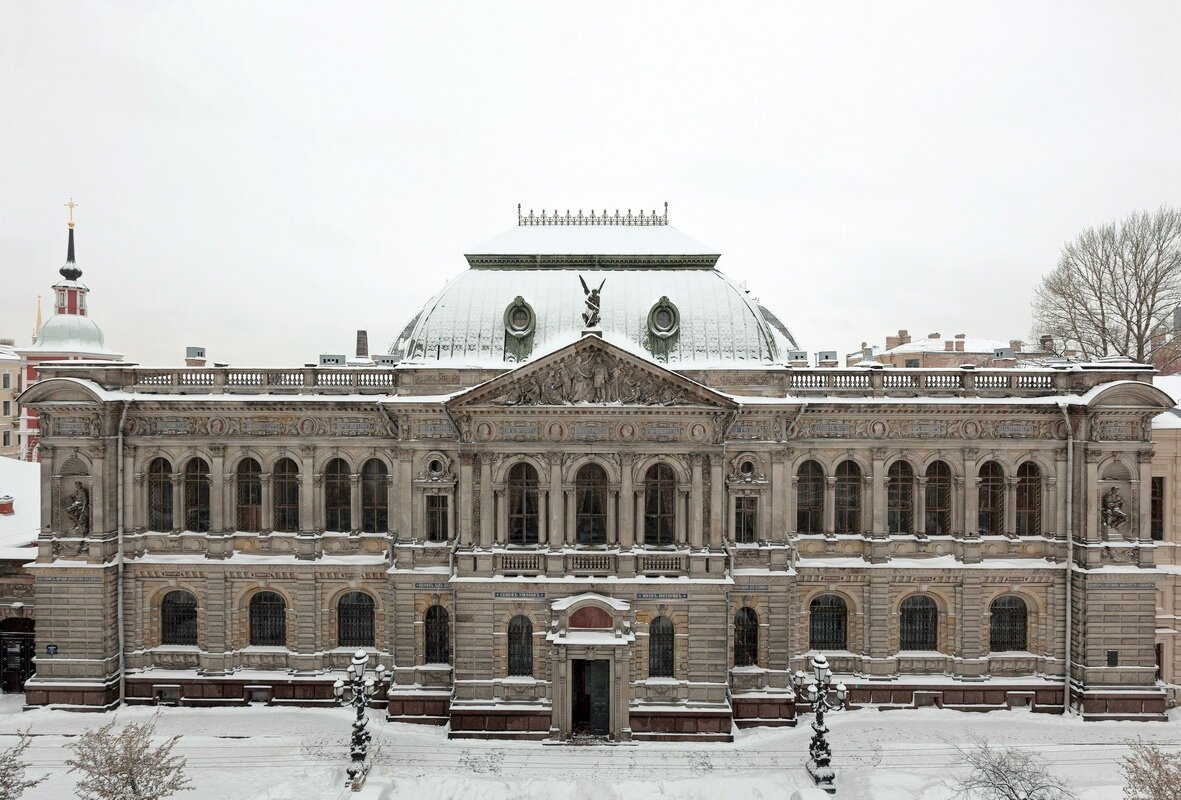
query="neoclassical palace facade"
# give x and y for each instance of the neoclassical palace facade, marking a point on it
(599, 493)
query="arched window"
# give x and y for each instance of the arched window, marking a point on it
(1008, 624)
(847, 498)
(522, 504)
(746, 637)
(810, 498)
(938, 499)
(991, 500)
(286, 496)
(338, 496)
(354, 620)
(660, 648)
(375, 498)
(178, 618)
(1029, 500)
(520, 646)
(828, 623)
(197, 496)
(590, 500)
(249, 493)
(438, 641)
(159, 495)
(268, 620)
(900, 498)
(660, 517)
(918, 624)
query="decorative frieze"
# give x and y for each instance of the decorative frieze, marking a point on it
(276, 425)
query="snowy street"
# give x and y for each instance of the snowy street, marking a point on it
(282, 754)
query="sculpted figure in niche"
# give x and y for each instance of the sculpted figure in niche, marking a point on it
(78, 508)
(1113, 509)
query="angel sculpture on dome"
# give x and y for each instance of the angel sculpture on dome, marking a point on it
(590, 317)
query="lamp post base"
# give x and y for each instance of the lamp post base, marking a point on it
(822, 775)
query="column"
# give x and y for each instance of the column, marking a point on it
(501, 536)
(1058, 493)
(627, 505)
(793, 494)
(354, 502)
(776, 530)
(307, 491)
(316, 494)
(716, 491)
(487, 505)
(1144, 506)
(268, 505)
(557, 527)
(830, 501)
(570, 512)
(1089, 497)
(696, 504)
(959, 501)
(877, 483)
(464, 500)
(97, 524)
(612, 530)
(224, 489)
(1050, 505)
(682, 516)
(218, 509)
(543, 515)
(639, 505)
(1010, 506)
(920, 506)
(178, 502)
(405, 494)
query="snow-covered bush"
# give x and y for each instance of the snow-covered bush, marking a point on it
(123, 765)
(12, 769)
(1151, 773)
(1006, 773)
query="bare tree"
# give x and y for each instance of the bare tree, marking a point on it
(1115, 289)
(12, 769)
(1151, 773)
(1006, 773)
(123, 765)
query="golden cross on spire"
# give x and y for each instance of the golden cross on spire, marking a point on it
(71, 205)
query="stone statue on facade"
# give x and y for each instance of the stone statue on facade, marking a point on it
(590, 317)
(1113, 509)
(78, 508)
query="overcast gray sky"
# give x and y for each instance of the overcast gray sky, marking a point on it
(265, 178)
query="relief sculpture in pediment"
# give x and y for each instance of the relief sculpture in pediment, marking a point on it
(598, 378)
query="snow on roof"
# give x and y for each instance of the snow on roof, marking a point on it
(587, 240)
(1170, 385)
(937, 345)
(22, 481)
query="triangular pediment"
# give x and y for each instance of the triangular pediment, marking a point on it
(592, 372)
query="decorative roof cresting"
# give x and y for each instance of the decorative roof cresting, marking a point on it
(592, 218)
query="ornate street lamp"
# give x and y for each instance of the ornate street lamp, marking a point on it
(357, 692)
(819, 753)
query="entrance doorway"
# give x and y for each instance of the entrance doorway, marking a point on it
(590, 710)
(16, 653)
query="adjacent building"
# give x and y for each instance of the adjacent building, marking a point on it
(937, 351)
(10, 373)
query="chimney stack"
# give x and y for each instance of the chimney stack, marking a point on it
(1015, 345)
(1047, 343)
(362, 344)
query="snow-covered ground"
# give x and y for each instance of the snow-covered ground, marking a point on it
(288, 754)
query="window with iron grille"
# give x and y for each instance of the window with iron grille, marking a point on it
(197, 496)
(1029, 500)
(268, 620)
(438, 641)
(520, 646)
(159, 495)
(522, 504)
(660, 518)
(847, 498)
(436, 517)
(938, 499)
(991, 499)
(1157, 509)
(249, 492)
(590, 501)
(829, 622)
(375, 497)
(660, 648)
(354, 620)
(746, 637)
(746, 519)
(1008, 617)
(285, 501)
(810, 498)
(178, 618)
(900, 498)
(919, 624)
(338, 496)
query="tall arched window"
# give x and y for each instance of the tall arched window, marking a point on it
(900, 498)
(1008, 624)
(523, 518)
(991, 500)
(660, 648)
(660, 516)
(828, 623)
(354, 620)
(520, 646)
(159, 495)
(1029, 500)
(746, 637)
(248, 487)
(178, 618)
(438, 638)
(810, 498)
(938, 499)
(197, 496)
(285, 500)
(590, 500)
(375, 497)
(847, 498)
(918, 624)
(338, 496)
(268, 620)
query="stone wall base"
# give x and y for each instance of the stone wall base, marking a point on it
(421, 707)
(494, 723)
(983, 696)
(1121, 704)
(760, 710)
(690, 725)
(73, 696)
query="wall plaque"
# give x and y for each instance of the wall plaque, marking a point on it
(591, 430)
(519, 595)
(662, 430)
(519, 430)
(662, 595)
(834, 429)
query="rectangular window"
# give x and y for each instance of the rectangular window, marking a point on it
(7, 380)
(436, 517)
(8, 408)
(746, 515)
(912, 363)
(1158, 509)
(7, 438)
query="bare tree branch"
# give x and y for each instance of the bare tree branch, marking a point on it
(1002, 773)
(123, 765)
